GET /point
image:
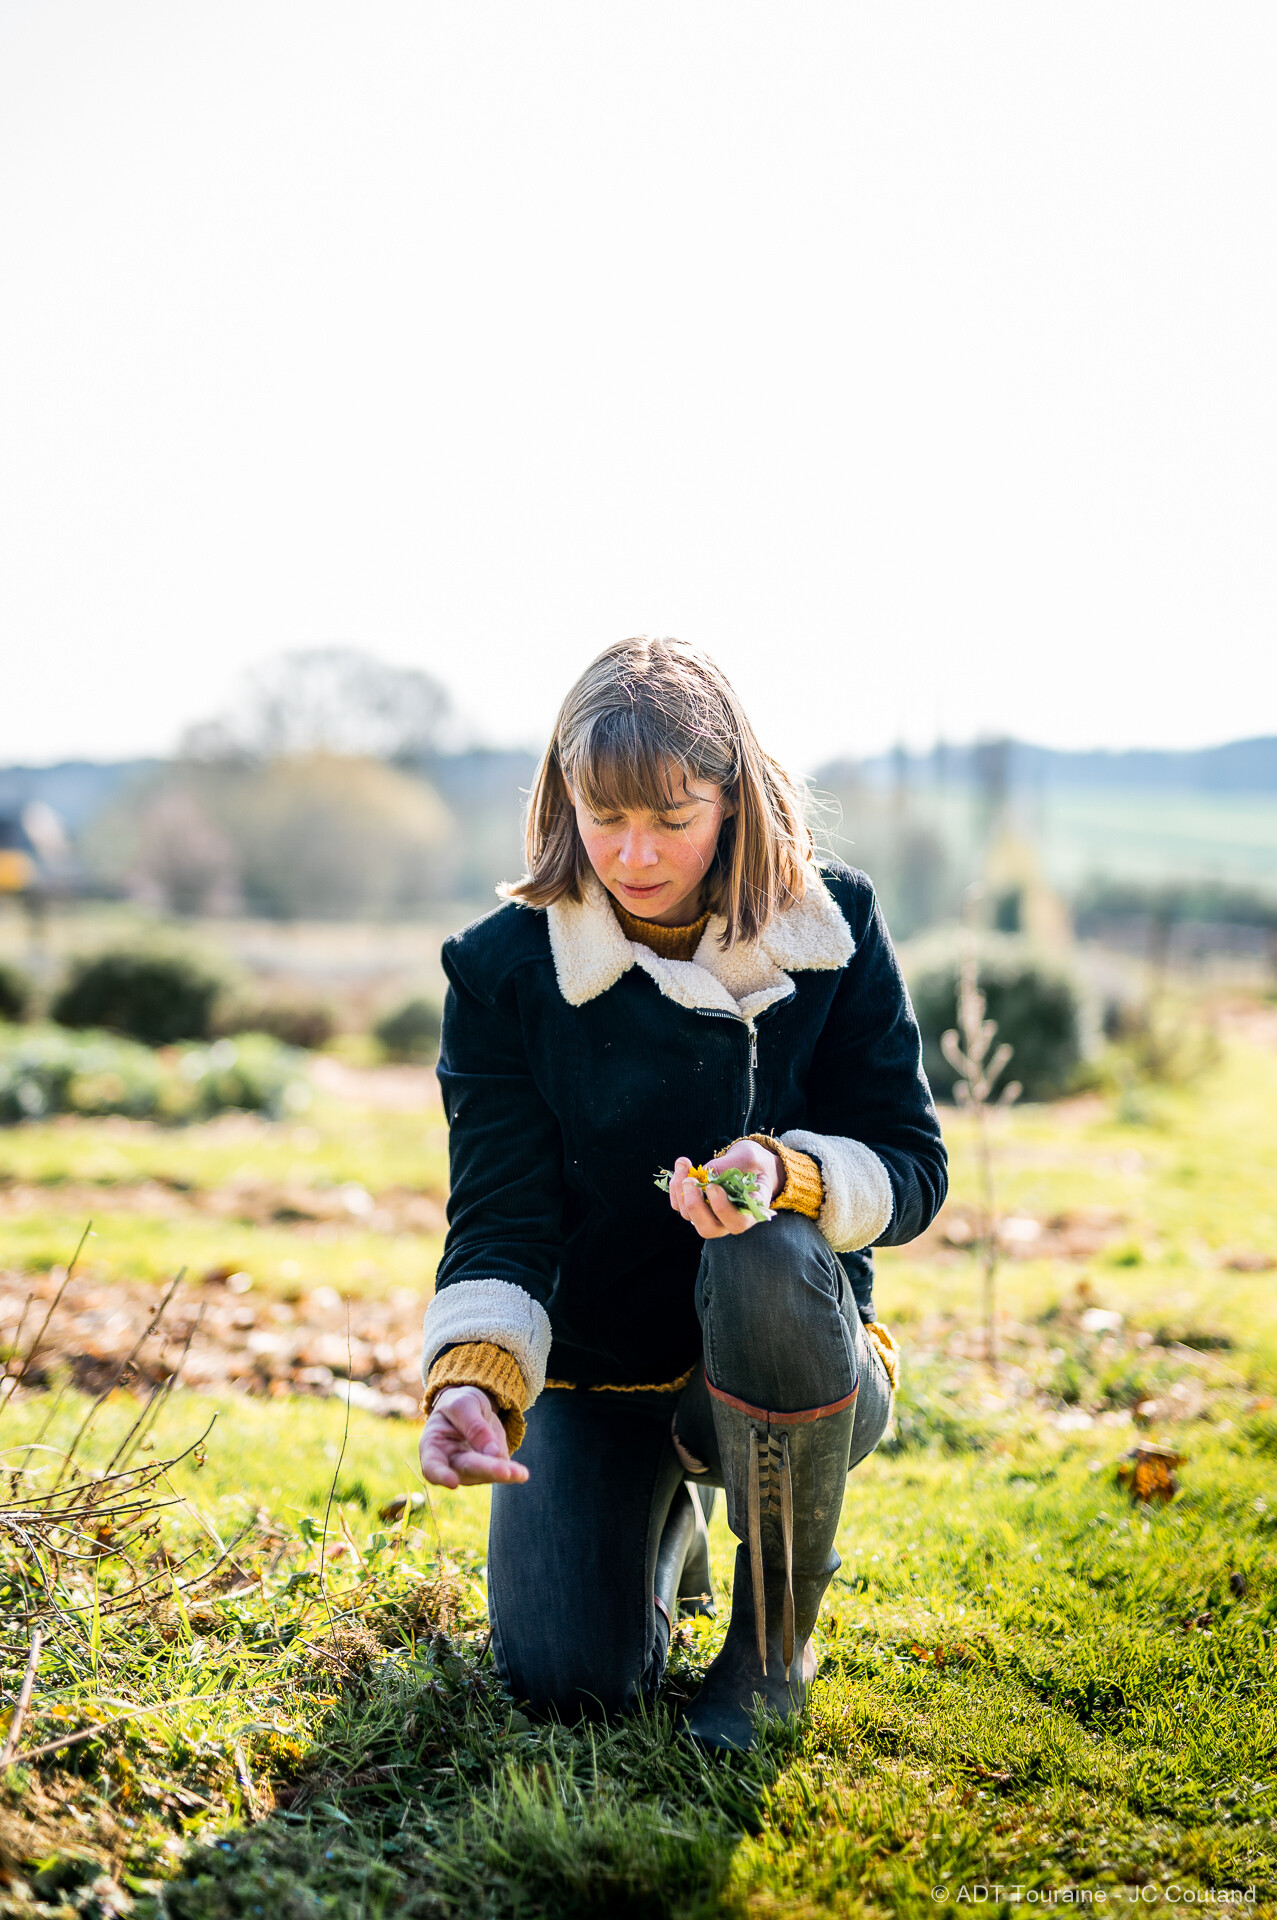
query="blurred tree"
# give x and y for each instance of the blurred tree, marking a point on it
(312, 836)
(327, 700)
(184, 862)
(897, 838)
(321, 837)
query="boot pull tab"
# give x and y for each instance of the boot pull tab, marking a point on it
(787, 1536)
(756, 1550)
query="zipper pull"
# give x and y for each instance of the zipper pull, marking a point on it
(753, 1046)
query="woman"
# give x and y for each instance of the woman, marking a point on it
(674, 978)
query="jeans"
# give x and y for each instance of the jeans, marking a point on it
(571, 1554)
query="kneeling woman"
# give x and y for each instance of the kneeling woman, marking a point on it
(675, 981)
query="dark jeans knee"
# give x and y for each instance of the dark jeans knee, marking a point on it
(580, 1689)
(777, 1316)
(571, 1553)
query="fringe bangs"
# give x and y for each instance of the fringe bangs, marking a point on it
(622, 762)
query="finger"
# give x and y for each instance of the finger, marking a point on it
(693, 1203)
(441, 1444)
(682, 1167)
(435, 1466)
(731, 1218)
(700, 1216)
(480, 1469)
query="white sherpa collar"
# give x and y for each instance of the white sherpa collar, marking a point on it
(591, 953)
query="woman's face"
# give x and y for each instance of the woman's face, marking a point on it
(654, 863)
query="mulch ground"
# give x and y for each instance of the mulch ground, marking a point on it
(367, 1350)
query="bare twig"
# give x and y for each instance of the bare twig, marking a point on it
(34, 1348)
(17, 1338)
(121, 1373)
(245, 1780)
(24, 1701)
(323, 1544)
(158, 1706)
(33, 1445)
(966, 1048)
(155, 1401)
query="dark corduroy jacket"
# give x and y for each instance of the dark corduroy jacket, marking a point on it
(575, 1065)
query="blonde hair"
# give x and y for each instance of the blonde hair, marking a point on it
(643, 708)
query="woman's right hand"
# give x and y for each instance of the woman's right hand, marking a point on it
(464, 1444)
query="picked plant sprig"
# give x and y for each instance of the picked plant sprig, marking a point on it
(741, 1188)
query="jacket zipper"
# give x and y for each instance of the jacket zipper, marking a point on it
(751, 1083)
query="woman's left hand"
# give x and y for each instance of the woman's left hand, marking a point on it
(708, 1209)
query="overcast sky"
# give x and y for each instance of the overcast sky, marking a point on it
(917, 360)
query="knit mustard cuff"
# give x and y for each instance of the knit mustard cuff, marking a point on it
(804, 1188)
(480, 1364)
(886, 1349)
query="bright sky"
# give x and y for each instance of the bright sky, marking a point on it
(916, 359)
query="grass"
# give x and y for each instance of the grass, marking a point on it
(1192, 1183)
(1026, 1680)
(147, 1187)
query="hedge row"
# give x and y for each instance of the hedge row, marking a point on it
(46, 1070)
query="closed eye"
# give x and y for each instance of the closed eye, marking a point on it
(670, 826)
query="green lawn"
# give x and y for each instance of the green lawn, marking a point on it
(218, 1195)
(1027, 1681)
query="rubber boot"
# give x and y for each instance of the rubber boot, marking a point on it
(682, 1579)
(696, 1588)
(785, 1479)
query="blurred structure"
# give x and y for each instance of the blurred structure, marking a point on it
(17, 856)
(36, 866)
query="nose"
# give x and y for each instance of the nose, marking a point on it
(638, 850)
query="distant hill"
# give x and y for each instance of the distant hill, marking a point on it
(77, 790)
(1152, 819)
(1241, 766)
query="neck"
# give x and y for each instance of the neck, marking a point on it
(686, 914)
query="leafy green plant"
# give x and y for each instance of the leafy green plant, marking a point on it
(15, 993)
(46, 1070)
(153, 997)
(292, 1018)
(410, 1032)
(252, 1072)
